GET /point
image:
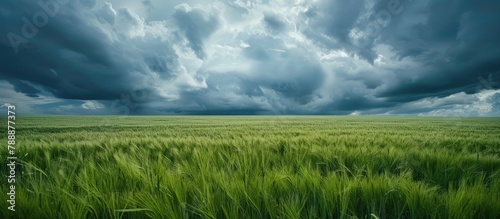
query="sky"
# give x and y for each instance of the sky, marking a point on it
(237, 57)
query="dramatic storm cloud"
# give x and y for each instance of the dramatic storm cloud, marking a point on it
(355, 57)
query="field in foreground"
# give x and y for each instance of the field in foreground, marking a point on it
(255, 167)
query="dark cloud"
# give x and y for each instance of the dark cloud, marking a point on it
(289, 72)
(88, 3)
(67, 56)
(458, 43)
(80, 55)
(196, 25)
(275, 23)
(25, 87)
(330, 23)
(337, 18)
(148, 4)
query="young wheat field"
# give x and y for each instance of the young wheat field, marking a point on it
(254, 167)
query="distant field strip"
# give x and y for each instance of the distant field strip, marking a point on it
(254, 167)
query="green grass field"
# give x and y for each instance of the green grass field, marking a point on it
(254, 167)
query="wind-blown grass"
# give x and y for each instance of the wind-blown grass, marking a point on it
(256, 167)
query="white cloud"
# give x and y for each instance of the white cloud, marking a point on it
(461, 104)
(23, 103)
(91, 105)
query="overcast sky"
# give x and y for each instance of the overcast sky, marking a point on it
(347, 57)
